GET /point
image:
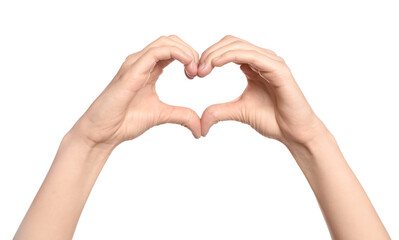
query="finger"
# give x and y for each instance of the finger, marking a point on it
(164, 63)
(191, 70)
(179, 40)
(220, 112)
(175, 41)
(183, 116)
(202, 67)
(222, 42)
(152, 56)
(260, 62)
(253, 74)
(248, 71)
(137, 75)
(240, 45)
(206, 66)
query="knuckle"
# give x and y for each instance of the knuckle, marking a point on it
(154, 50)
(212, 112)
(238, 44)
(173, 36)
(130, 57)
(280, 68)
(162, 39)
(280, 59)
(228, 37)
(270, 51)
(131, 73)
(191, 116)
(125, 65)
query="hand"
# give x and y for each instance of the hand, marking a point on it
(272, 103)
(129, 105)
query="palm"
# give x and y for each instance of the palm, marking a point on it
(143, 112)
(116, 122)
(258, 106)
(278, 112)
(281, 112)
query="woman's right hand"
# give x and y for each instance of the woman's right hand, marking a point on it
(129, 105)
(272, 103)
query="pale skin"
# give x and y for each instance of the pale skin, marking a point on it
(272, 104)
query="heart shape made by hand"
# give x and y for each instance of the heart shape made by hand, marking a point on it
(271, 103)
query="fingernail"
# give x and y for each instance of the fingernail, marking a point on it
(188, 75)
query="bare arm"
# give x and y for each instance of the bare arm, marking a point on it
(346, 208)
(57, 206)
(274, 106)
(126, 108)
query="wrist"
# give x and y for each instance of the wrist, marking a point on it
(307, 153)
(86, 151)
(78, 134)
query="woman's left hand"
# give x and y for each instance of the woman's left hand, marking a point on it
(129, 105)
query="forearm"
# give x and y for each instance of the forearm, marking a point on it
(56, 209)
(347, 210)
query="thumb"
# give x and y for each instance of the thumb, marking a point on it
(183, 116)
(219, 112)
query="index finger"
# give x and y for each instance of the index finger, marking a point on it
(260, 61)
(147, 61)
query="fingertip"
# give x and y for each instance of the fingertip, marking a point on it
(205, 130)
(191, 69)
(195, 125)
(204, 125)
(200, 75)
(203, 70)
(189, 76)
(197, 136)
(204, 133)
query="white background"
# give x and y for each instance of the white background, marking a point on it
(55, 58)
